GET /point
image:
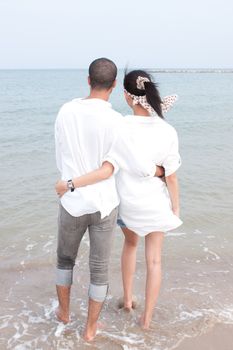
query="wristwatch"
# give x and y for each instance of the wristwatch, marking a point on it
(70, 185)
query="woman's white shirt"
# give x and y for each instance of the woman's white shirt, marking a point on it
(145, 203)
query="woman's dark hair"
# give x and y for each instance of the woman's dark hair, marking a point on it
(151, 90)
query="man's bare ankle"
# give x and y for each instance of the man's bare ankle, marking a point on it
(61, 315)
(90, 332)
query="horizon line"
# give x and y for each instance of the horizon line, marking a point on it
(162, 70)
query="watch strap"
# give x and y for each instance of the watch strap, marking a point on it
(70, 185)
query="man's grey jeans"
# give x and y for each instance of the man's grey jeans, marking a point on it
(70, 233)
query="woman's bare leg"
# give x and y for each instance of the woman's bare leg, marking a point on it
(128, 265)
(153, 249)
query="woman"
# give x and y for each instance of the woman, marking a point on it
(149, 207)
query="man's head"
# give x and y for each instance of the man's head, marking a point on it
(102, 74)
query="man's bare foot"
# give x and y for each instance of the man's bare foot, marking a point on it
(90, 333)
(144, 324)
(62, 316)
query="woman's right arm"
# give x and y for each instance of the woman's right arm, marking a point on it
(171, 164)
(173, 189)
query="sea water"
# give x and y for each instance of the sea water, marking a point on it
(197, 284)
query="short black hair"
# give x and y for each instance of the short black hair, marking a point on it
(102, 73)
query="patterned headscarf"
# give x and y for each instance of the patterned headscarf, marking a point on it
(167, 102)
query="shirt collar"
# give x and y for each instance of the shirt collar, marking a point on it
(94, 101)
(144, 119)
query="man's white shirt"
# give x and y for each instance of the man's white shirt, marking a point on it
(87, 132)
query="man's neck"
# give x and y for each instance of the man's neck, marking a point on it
(100, 94)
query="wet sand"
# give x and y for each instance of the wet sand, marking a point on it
(191, 301)
(220, 337)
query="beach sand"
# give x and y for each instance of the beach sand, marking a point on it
(220, 337)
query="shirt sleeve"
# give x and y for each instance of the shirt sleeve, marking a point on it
(125, 154)
(109, 158)
(172, 162)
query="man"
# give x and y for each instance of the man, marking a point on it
(87, 132)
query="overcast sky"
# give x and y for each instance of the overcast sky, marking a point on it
(141, 33)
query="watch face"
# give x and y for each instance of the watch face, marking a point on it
(70, 185)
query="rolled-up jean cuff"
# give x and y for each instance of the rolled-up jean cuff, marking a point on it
(98, 292)
(64, 277)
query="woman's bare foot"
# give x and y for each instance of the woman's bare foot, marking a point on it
(62, 316)
(143, 323)
(129, 306)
